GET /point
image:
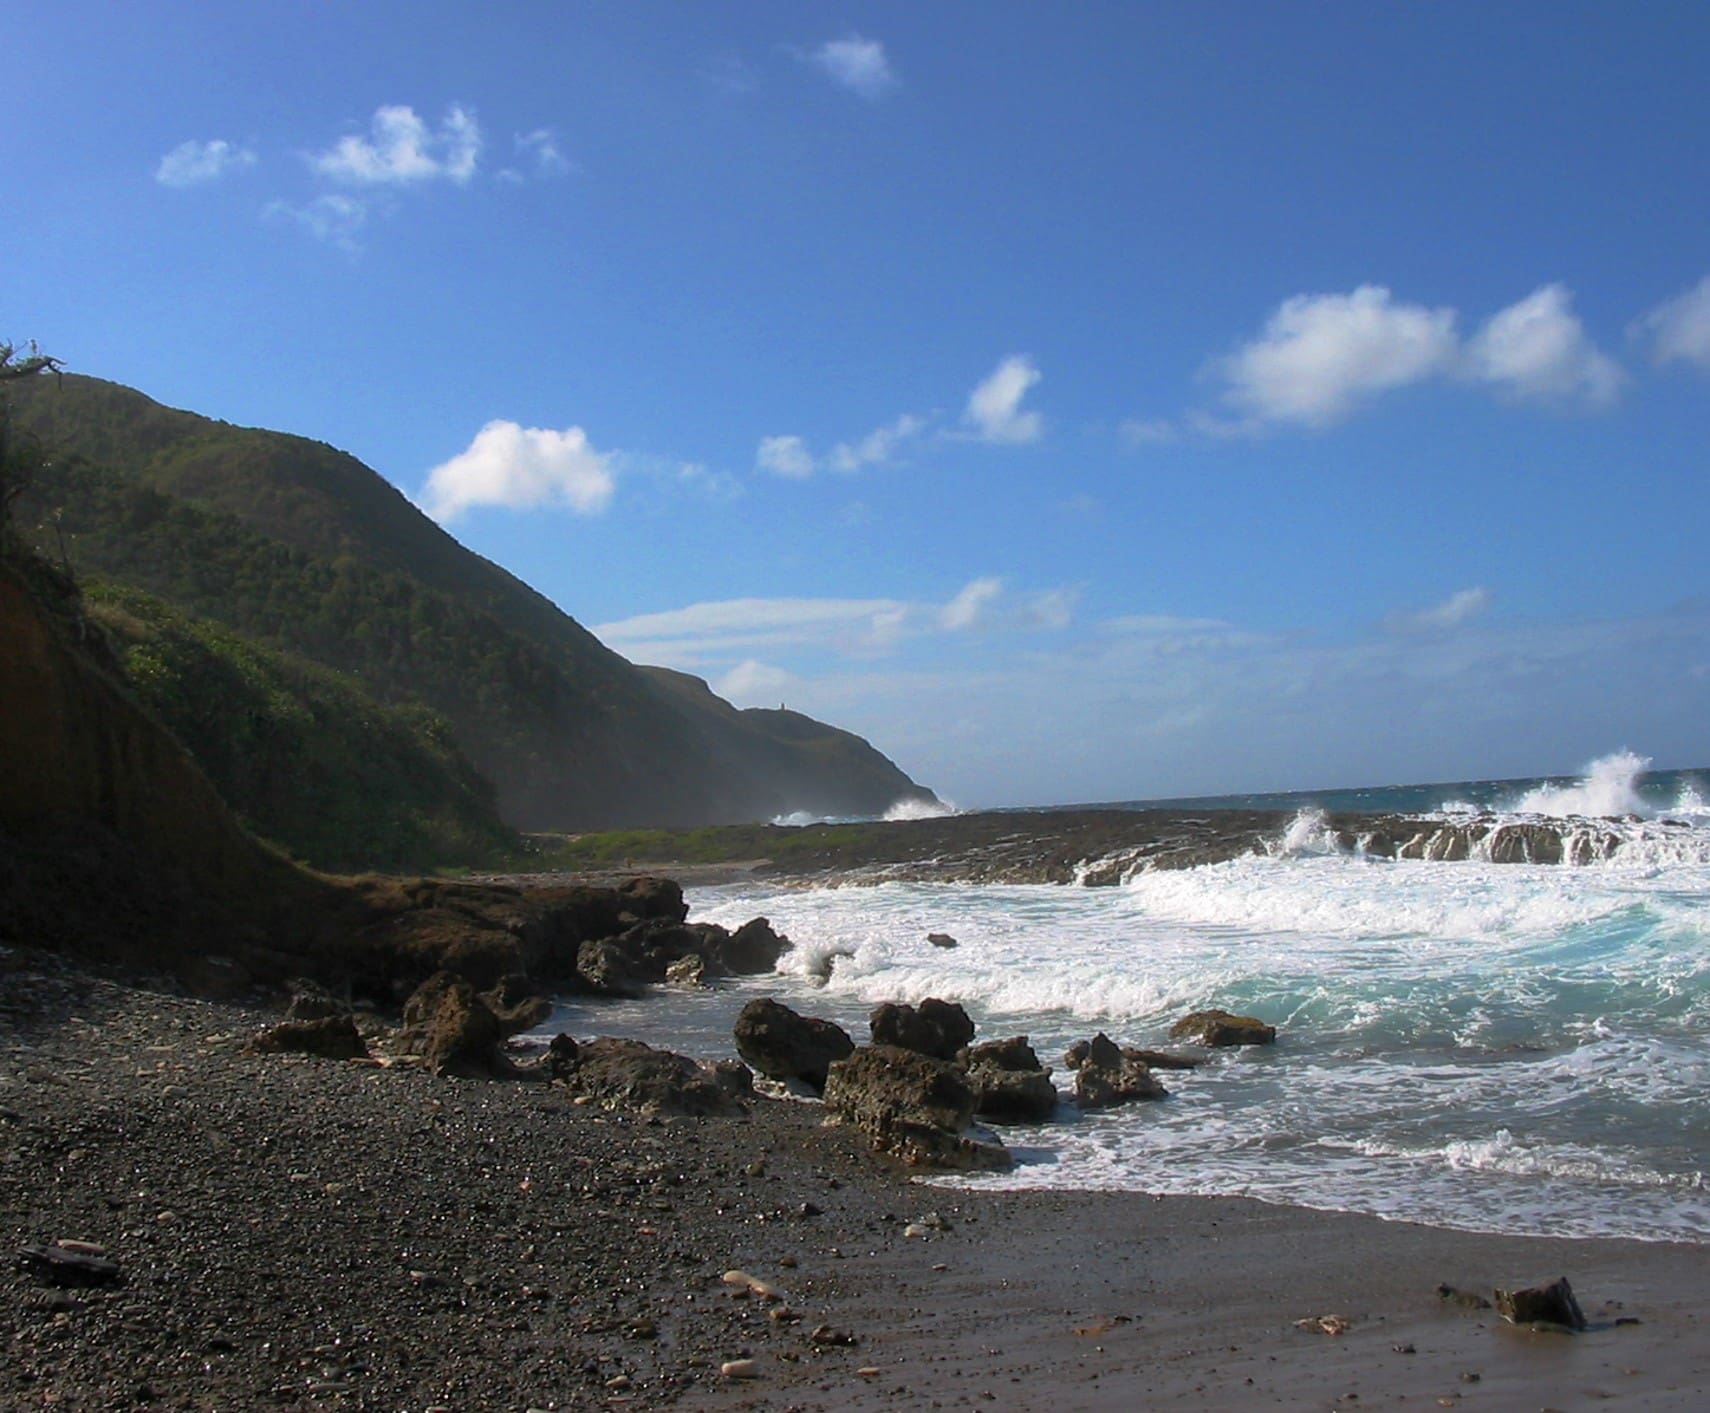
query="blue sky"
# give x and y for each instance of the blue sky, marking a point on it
(1084, 402)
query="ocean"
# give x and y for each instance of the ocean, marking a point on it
(1495, 1047)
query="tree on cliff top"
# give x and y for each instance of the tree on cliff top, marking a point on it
(20, 455)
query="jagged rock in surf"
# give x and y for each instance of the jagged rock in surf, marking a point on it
(1551, 1304)
(1107, 1076)
(936, 1028)
(942, 939)
(753, 949)
(911, 1107)
(1220, 1028)
(1009, 1084)
(783, 1044)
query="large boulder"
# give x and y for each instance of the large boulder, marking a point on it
(1108, 1075)
(784, 1045)
(752, 950)
(1010, 1087)
(1217, 1028)
(936, 1028)
(452, 1028)
(911, 1107)
(633, 1075)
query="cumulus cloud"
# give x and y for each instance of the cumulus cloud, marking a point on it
(518, 467)
(785, 456)
(994, 407)
(1452, 612)
(401, 150)
(1321, 355)
(332, 217)
(1679, 330)
(193, 163)
(1537, 350)
(857, 64)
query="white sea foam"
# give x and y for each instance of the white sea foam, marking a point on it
(1502, 1047)
(914, 808)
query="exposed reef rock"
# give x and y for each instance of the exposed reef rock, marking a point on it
(632, 1075)
(911, 1107)
(1220, 1028)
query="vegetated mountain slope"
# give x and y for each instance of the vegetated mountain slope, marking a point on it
(304, 548)
(306, 757)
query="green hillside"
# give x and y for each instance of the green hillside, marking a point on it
(306, 757)
(304, 549)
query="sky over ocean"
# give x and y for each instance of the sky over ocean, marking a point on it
(1092, 402)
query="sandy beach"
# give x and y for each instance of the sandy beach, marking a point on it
(298, 1233)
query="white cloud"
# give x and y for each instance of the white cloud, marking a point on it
(790, 456)
(1452, 612)
(857, 64)
(332, 217)
(1321, 355)
(966, 609)
(192, 163)
(755, 683)
(1680, 328)
(878, 447)
(1537, 350)
(710, 633)
(516, 467)
(994, 407)
(785, 456)
(401, 150)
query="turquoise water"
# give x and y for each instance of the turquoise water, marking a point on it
(1497, 1047)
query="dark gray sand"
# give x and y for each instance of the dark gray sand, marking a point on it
(305, 1234)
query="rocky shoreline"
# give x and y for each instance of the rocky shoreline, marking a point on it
(295, 1232)
(1099, 847)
